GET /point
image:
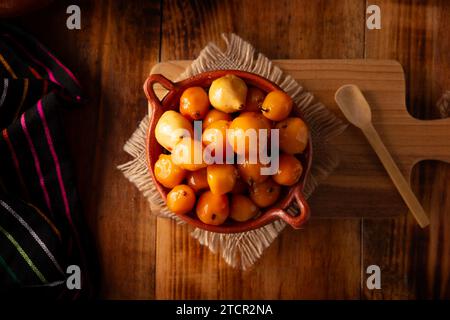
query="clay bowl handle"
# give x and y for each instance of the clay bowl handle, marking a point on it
(150, 91)
(297, 221)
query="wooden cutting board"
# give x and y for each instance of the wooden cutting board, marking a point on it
(360, 187)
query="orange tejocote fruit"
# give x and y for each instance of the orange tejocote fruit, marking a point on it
(197, 179)
(188, 154)
(293, 135)
(168, 173)
(265, 194)
(215, 135)
(251, 172)
(242, 208)
(277, 105)
(214, 115)
(212, 208)
(244, 131)
(194, 103)
(289, 170)
(181, 199)
(221, 178)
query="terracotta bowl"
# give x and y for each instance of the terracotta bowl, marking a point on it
(171, 101)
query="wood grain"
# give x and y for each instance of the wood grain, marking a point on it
(111, 55)
(281, 29)
(414, 262)
(297, 265)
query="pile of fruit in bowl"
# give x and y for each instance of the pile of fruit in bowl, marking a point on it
(210, 168)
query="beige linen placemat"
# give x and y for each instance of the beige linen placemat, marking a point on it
(242, 249)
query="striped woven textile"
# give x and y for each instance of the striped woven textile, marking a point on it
(41, 232)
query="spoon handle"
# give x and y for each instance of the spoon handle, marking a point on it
(397, 177)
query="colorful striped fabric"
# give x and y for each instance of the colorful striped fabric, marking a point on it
(41, 232)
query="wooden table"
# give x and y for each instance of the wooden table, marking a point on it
(144, 257)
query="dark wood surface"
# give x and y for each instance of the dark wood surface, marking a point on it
(144, 257)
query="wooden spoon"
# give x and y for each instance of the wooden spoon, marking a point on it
(355, 108)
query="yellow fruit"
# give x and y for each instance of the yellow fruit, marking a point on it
(293, 135)
(238, 134)
(221, 178)
(242, 208)
(214, 115)
(171, 128)
(188, 154)
(212, 208)
(289, 170)
(197, 180)
(265, 194)
(228, 93)
(194, 103)
(277, 105)
(168, 173)
(181, 199)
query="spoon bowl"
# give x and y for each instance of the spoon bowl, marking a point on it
(354, 105)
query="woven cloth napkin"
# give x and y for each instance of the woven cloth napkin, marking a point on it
(242, 250)
(42, 230)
